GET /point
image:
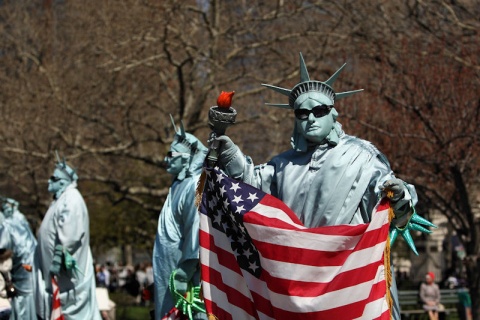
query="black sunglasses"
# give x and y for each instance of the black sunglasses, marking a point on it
(172, 154)
(318, 112)
(55, 179)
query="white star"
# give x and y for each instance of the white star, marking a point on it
(242, 240)
(218, 217)
(225, 226)
(219, 177)
(235, 252)
(253, 266)
(235, 187)
(242, 228)
(240, 209)
(222, 190)
(252, 197)
(247, 253)
(237, 199)
(212, 203)
(226, 203)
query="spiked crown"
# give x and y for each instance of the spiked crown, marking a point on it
(306, 85)
(68, 172)
(197, 150)
(183, 138)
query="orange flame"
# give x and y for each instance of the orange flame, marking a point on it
(224, 100)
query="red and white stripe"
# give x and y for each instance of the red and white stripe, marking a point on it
(334, 272)
(56, 306)
(174, 314)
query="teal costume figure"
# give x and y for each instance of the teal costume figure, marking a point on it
(328, 177)
(63, 251)
(177, 241)
(16, 235)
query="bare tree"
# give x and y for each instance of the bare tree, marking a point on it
(97, 80)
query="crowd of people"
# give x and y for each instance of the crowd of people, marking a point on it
(136, 281)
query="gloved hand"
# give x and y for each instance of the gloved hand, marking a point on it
(183, 275)
(57, 260)
(228, 149)
(229, 157)
(394, 189)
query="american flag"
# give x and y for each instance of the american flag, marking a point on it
(259, 262)
(56, 306)
(174, 314)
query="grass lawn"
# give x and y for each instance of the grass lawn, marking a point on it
(127, 308)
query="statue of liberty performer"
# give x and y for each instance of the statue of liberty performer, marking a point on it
(16, 235)
(328, 177)
(63, 251)
(176, 246)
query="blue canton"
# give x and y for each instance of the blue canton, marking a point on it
(226, 201)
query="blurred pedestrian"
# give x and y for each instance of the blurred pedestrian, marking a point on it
(465, 301)
(16, 235)
(430, 296)
(176, 249)
(5, 283)
(63, 251)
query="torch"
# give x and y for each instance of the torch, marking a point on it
(220, 117)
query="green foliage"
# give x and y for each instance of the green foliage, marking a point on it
(126, 309)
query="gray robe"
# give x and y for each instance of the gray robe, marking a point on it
(16, 235)
(66, 222)
(177, 240)
(328, 185)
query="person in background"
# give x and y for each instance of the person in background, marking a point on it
(63, 253)
(5, 281)
(141, 277)
(465, 301)
(430, 296)
(176, 248)
(100, 276)
(16, 235)
(147, 294)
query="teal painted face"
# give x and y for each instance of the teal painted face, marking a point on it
(57, 182)
(314, 117)
(7, 209)
(176, 160)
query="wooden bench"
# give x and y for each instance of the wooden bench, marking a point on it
(411, 306)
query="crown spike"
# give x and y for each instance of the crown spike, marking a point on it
(57, 156)
(285, 92)
(303, 70)
(341, 95)
(279, 105)
(334, 77)
(173, 123)
(182, 129)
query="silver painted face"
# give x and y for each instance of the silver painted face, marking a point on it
(56, 182)
(175, 160)
(314, 129)
(7, 209)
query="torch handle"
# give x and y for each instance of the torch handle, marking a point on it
(214, 146)
(219, 119)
